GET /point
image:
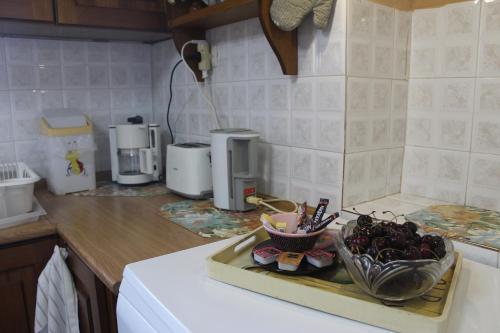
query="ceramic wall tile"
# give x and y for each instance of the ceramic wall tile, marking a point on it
(48, 52)
(5, 107)
(433, 173)
(330, 53)
(21, 77)
(24, 101)
(279, 130)
(51, 99)
(329, 94)
(6, 128)
(302, 130)
(98, 52)
(329, 132)
(278, 97)
(73, 52)
(328, 168)
(302, 94)
(301, 191)
(239, 97)
(7, 152)
(4, 82)
(444, 41)
(75, 76)
(301, 164)
(306, 49)
(488, 96)
(20, 51)
(49, 77)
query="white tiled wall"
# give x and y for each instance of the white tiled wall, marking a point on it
(453, 131)
(300, 118)
(109, 81)
(377, 53)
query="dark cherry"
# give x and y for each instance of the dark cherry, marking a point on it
(417, 238)
(437, 242)
(411, 226)
(427, 239)
(407, 232)
(392, 225)
(363, 241)
(378, 231)
(397, 240)
(412, 253)
(372, 252)
(379, 243)
(440, 252)
(364, 220)
(390, 255)
(425, 251)
(348, 241)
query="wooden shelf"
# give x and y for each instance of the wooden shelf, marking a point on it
(186, 26)
(227, 12)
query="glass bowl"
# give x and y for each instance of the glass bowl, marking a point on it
(397, 280)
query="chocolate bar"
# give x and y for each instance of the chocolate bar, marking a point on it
(320, 211)
(325, 222)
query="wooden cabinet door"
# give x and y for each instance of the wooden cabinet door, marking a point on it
(20, 266)
(126, 14)
(36, 10)
(95, 312)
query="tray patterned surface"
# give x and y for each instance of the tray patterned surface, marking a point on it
(464, 223)
(202, 218)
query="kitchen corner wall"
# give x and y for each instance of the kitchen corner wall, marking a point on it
(377, 52)
(300, 118)
(452, 149)
(108, 81)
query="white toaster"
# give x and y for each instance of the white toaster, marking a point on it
(189, 170)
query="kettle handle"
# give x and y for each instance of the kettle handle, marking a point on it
(146, 160)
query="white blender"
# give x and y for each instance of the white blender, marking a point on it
(135, 152)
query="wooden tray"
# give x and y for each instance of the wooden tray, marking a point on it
(335, 293)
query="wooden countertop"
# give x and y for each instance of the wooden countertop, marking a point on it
(40, 228)
(111, 232)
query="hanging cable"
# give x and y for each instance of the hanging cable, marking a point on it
(209, 102)
(170, 101)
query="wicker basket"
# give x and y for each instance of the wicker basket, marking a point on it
(293, 242)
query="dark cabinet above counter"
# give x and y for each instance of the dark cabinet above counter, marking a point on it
(133, 20)
(34, 10)
(146, 15)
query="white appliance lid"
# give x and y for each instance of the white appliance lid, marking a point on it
(64, 118)
(176, 293)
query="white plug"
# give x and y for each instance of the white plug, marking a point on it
(204, 49)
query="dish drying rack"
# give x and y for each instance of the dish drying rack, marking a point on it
(17, 203)
(16, 173)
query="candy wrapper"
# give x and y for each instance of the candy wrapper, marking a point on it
(320, 211)
(302, 214)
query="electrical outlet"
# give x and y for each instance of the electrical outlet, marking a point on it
(205, 62)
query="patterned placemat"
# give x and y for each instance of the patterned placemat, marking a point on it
(202, 218)
(465, 223)
(110, 189)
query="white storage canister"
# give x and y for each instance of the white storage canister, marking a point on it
(70, 155)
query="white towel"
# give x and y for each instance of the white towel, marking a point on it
(56, 300)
